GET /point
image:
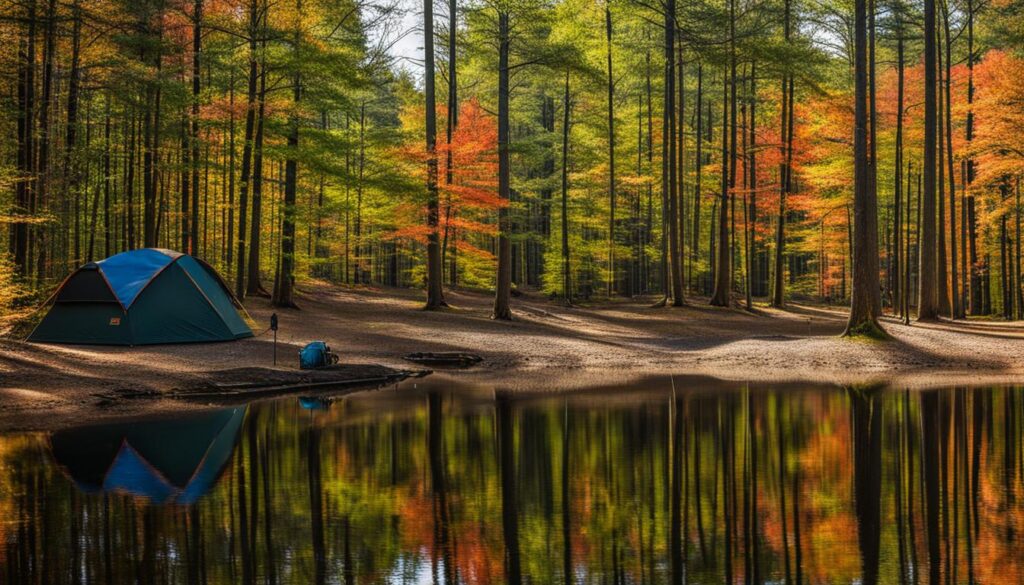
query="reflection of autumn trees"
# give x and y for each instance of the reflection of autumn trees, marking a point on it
(791, 486)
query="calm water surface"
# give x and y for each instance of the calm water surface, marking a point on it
(443, 484)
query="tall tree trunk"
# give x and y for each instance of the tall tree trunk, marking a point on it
(1004, 264)
(897, 263)
(357, 270)
(71, 171)
(1018, 293)
(865, 298)
(435, 268)
(681, 159)
(185, 205)
(503, 290)
(452, 124)
(698, 171)
(95, 201)
(24, 190)
(42, 178)
(611, 149)
(108, 228)
(566, 268)
(230, 227)
(873, 136)
(975, 274)
(723, 265)
(941, 267)
(197, 44)
(255, 284)
(247, 148)
(151, 138)
(129, 179)
(733, 150)
(928, 293)
(778, 292)
(285, 284)
(977, 304)
(752, 186)
(670, 209)
(906, 261)
(957, 308)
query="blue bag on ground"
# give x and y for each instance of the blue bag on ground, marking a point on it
(316, 355)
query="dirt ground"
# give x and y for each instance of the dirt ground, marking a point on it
(548, 347)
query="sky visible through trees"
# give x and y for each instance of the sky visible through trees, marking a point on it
(722, 150)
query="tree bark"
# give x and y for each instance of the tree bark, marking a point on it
(865, 298)
(230, 227)
(873, 136)
(1018, 293)
(733, 150)
(752, 186)
(611, 150)
(255, 284)
(284, 291)
(928, 299)
(151, 154)
(435, 268)
(956, 307)
(566, 268)
(723, 265)
(452, 124)
(698, 171)
(1004, 264)
(42, 176)
(360, 276)
(129, 187)
(975, 275)
(503, 290)
(247, 149)
(185, 205)
(670, 209)
(680, 219)
(778, 292)
(108, 228)
(941, 267)
(897, 262)
(24, 195)
(72, 175)
(197, 45)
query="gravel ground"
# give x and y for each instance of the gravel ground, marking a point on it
(548, 347)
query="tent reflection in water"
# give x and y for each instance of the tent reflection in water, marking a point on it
(164, 460)
(142, 297)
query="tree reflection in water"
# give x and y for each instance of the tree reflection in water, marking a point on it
(444, 484)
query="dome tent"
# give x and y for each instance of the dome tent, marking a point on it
(142, 297)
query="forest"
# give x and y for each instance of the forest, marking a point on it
(866, 154)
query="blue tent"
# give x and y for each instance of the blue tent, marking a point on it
(165, 460)
(143, 297)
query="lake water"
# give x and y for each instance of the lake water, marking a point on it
(432, 482)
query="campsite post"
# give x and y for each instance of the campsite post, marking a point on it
(273, 327)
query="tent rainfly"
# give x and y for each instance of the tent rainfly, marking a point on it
(142, 297)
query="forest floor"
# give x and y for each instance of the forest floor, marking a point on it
(548, 347)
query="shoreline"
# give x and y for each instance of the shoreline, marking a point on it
(548, 349)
